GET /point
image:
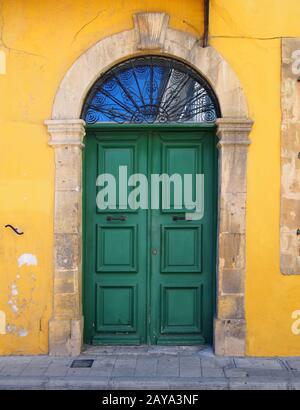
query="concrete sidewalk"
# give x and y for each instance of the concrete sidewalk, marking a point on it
(149, 367)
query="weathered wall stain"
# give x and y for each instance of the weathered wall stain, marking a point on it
(21, 304)
(16, 331)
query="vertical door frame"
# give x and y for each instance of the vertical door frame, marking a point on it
(67, 131)
(211, 128)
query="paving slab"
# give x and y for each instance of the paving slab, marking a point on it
(295, 385)
(212, 373)
(190, 366)
(258, 363)
(293, 364)
(168, 366)
(235, 373)
(259, 384)
(146, 366)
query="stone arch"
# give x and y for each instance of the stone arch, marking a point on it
(151, 34)
(109, 51)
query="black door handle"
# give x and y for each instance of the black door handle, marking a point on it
(180, 218)
(118, 218)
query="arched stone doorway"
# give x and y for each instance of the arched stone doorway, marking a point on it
(67, 131)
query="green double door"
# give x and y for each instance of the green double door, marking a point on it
(149, 273)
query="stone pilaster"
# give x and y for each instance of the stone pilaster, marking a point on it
(290, 158)
(230, 325)
(66, 324)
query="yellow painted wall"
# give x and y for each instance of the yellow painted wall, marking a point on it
(41, 40)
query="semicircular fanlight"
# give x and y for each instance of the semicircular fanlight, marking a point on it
(148, 90)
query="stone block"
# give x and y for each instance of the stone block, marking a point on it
(66, 305)
(68, 168)
(65, 282)
(290, 215)
(231, 307)
(232, 213)
(68, 211)
(290, 256)
(233, 168)
(65, 337)
(230, 337)
(67, 251)
(231, 281)
(232, 251)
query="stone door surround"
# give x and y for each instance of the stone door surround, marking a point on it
(151, 35)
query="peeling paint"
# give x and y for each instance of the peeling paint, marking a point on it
(14, 308)
(14, 290)
(11, 328)
(17, 331)
(27, 259)
(22, 332)
(2, 323)
(12, 302)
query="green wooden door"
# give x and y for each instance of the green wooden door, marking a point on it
(115, 254)
(149, 274)
(182, 257)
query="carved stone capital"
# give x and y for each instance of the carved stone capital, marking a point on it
(234, 131)
(66, 132)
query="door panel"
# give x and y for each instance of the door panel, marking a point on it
(182, 249)
(186, 320)
(116, 245)
(182, 266)
(178, 157)
(117, 248)
(115, 153)
(116, 309)
(149, 278)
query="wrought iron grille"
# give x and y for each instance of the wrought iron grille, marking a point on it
(151, 90)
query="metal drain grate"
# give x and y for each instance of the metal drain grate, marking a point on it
(82, 364)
